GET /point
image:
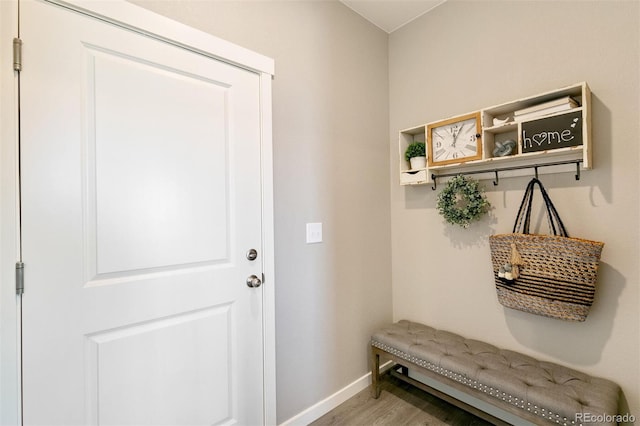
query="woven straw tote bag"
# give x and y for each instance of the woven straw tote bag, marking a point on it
(548, 275)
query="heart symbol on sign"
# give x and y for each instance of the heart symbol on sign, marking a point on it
(539, 138)
(575, 120)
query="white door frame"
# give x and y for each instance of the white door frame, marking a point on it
(138, 19)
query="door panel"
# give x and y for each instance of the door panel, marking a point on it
(141, 194)
(160, 175)
(131, 390)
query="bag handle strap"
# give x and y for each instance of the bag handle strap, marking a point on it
(523, 219)
(523, 205)
(524, 214)
(547, 202)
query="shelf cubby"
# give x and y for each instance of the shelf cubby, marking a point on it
(410, 176)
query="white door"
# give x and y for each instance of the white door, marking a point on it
(141, 195)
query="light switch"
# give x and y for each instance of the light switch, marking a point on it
(314, 233)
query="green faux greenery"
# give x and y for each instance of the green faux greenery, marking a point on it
(462, 201)
(416, 149)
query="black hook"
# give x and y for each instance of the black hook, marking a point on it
(577, 170)
(435, 182)
(497, 179)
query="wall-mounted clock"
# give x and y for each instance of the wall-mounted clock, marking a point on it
(455, 140)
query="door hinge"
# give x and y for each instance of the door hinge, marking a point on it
(17, 54)
(19, 277)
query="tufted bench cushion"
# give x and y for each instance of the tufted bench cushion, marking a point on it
(549, 391)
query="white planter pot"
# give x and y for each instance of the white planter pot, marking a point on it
(418, 162)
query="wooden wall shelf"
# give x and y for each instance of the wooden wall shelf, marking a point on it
(564, 124)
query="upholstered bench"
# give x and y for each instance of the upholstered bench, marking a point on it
(539, 392)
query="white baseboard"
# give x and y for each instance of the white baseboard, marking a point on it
(323, 407)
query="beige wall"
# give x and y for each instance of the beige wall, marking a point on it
(466, 55)
(331, 161)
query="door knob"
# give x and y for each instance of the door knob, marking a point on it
(253, 281)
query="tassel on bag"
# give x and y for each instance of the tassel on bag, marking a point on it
(516, 262)
(510, 271)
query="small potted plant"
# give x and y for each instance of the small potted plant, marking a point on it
(415, 155)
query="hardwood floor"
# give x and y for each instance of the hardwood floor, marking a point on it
(400, 404)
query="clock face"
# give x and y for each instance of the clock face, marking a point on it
(454, 141)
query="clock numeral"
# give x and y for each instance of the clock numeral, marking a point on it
(455, 155)
(472, 138)
(438, 144)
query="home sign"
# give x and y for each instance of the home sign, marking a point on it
(555, 132)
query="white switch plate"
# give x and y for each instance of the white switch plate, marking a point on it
(314, 233)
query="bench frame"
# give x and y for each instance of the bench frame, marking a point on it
(403, 366)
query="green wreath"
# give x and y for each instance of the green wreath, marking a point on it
(462, 201)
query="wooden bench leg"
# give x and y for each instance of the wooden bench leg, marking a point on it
(375, 373)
